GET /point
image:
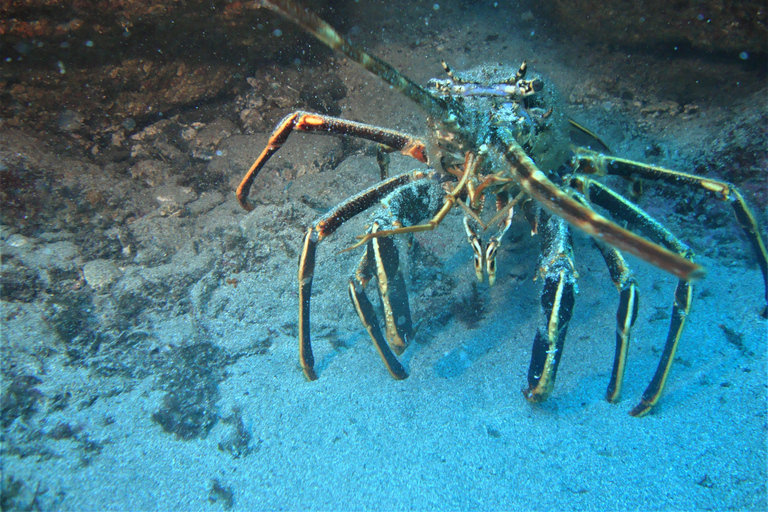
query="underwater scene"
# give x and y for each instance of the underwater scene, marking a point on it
(383, 255)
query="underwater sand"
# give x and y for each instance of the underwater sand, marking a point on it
(457, 434)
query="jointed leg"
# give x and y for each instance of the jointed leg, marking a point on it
(308, 122)
(471, 164)
(629, 300)
(503, 205)
(536, 184)
(381, 259)
(626, 315)
(557, 302)
(625, 210)
(323, 227)
(477, 248)
(594, 163)
(371, 323)
(485, 259)
(383, 159)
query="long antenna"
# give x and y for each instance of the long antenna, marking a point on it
(433, 105)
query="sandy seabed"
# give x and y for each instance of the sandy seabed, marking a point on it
(457, 434)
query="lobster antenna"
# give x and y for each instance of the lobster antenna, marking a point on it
(433, 105)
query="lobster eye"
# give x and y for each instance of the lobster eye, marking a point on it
(537, 85)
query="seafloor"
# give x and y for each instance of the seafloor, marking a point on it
(149, 353)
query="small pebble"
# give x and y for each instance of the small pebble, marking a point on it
(101, 274)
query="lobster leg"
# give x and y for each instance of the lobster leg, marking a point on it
(471, 164)
(477, 248)
(323, 227)
(381, 259)
(594, 163)
(629, 300)
(484, 258)
(537, 185)
(623, 209)
(394, 297)
(308, 122)
(557, 300)
(370, 322)
(502, 203)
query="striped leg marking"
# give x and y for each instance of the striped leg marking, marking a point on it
(594, 163)
(306, 273)
(629, 299)
(477, 248)
(484, 258)
(502, 204)
(381, 259)
(323, 227)
(557, 302)
(623, 209)
(394, 298)
(371, 323)
(680, 310)
(626, 315)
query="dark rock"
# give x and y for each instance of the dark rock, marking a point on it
(191, 385)
(19, 399)
(125, 63)
(713, 26)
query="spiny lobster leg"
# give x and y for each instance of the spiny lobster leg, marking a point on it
(323, 227)
(471, 164)
(502, 204)
(477, 248)
(629, 300)
(595, 163)
(537, 185)
(623, 209)
(308, 122)
(394, 297)
(681, 307)
(383, 159)
(381, 259)
(557, 302)
(485, 258)
(371, 323)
